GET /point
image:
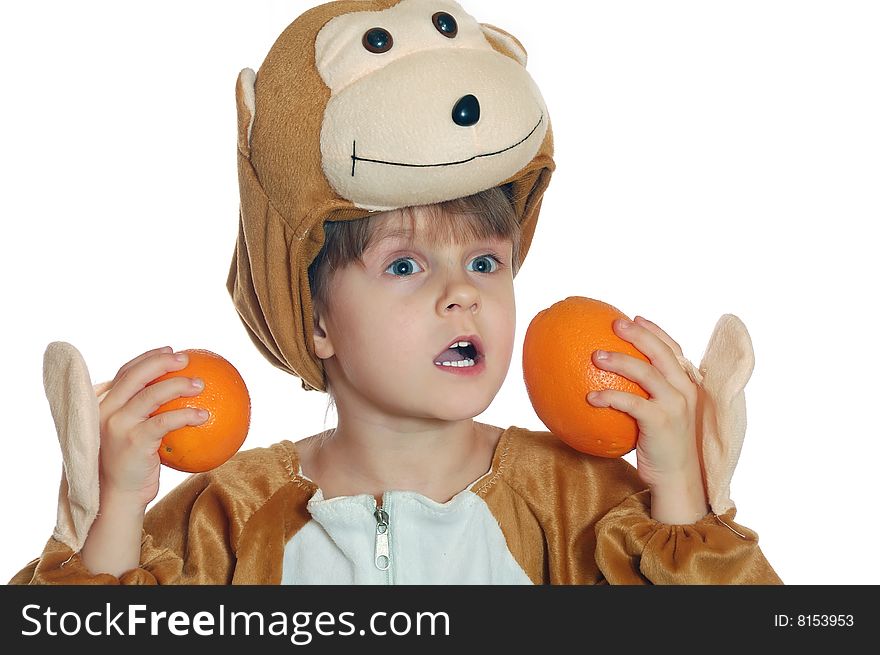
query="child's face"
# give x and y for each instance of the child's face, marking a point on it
(392, 316)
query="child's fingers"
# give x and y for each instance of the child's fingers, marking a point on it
(642, 410)
(151, 432)
(150, 398)
(138, 376)
(648, 377)
(134, 417)
(125, 367)
(658, 351)
(653, 327)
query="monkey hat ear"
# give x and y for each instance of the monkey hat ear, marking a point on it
(369, 106)
(246, 102)
(505, 42)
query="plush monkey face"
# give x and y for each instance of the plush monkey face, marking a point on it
(421, 103)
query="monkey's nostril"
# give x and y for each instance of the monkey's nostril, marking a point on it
(466, 111)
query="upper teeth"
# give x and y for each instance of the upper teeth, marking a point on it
(461, 344)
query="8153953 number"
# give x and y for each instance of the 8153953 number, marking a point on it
(813, 620)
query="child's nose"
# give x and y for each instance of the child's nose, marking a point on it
(459, 294)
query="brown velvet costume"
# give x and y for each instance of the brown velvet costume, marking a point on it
(317, 141)
(567, 519)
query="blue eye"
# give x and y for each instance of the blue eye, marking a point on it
(483, 264)
(403, 267)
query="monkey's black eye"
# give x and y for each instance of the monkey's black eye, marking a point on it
(378, 40)
(445, 24)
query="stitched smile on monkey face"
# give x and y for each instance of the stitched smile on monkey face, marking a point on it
(422, 108)
(355, 158)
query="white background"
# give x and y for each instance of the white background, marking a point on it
(713, 157)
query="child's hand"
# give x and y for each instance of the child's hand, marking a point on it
(667, 454)
(130, 439)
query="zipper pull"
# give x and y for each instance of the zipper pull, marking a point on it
(383, 553)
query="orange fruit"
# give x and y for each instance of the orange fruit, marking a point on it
(559, 373)
(195, 448)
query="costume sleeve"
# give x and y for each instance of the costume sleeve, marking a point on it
(225, 526)
(633, 548)
(571, 518)
(185, 541)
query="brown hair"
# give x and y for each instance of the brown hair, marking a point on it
(486, 214)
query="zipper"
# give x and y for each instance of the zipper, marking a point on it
(383, 549)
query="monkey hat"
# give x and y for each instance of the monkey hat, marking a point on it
(364, 106)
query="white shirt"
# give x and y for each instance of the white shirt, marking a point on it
(457, 542)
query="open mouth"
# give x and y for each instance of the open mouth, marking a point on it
(355, 158)
(462, 352)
